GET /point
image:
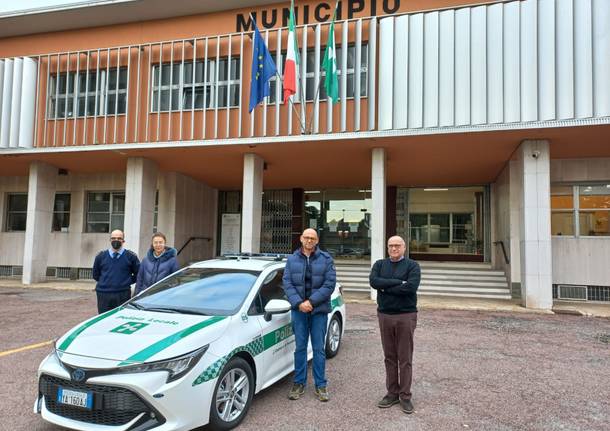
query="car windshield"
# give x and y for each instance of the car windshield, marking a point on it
(205, 291)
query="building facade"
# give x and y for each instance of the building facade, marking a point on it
(478, 131)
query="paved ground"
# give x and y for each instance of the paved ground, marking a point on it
(473, 370)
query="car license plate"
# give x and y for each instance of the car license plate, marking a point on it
(75, 398)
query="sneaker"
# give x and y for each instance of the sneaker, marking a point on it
(388, 401)
(406, 406)
(296, 391)
(322, 393)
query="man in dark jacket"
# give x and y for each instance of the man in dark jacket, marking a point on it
(115, 270)
(396, 280)
(309, 281)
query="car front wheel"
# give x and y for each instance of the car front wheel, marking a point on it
(232, 395)
(333, 337)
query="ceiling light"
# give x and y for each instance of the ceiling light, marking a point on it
(436, 190)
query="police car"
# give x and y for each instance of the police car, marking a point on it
(193, 349)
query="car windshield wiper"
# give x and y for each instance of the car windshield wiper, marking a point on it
(135, 305)
(164, 309)
(176, 310)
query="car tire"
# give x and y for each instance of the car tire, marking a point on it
(232, 395)
(333, 337)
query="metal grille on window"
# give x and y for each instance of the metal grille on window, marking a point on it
(276, 226)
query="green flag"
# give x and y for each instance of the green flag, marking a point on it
(331, 82)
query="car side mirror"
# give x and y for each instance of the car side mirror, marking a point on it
(276, 306)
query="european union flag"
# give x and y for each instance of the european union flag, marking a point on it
(263, 68)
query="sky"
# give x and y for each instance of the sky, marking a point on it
(8, 6)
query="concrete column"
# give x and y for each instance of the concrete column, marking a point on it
(378, 217)
(140, 189)
(41, 197)
(166, 219)
(535, 220)
(252, 202)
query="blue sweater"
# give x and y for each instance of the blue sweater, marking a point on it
(115, 275)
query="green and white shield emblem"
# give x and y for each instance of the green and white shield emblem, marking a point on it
(129, 327)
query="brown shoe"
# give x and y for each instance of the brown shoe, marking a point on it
(406, 406)
(322, 393)
(296, 391)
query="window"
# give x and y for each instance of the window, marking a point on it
(74, 95)
(156, 213)
(178, 87)
(580, 210)
(16, 212)
(593, 210)
(271, 289)
(105, 211)
(310, 85)
(562, 210)
(61, 212)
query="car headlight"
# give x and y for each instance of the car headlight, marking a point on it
(176, 367)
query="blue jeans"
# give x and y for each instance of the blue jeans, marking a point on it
(304, 325)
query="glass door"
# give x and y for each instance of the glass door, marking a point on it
(447, 223)
(342, 218)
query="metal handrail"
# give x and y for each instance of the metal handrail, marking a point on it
(188, 241)
(506, 259)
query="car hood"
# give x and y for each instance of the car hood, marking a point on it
(128, 336)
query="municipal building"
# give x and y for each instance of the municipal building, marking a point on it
(477, 130)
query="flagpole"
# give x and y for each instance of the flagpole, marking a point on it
(280, 80)
(317, 95)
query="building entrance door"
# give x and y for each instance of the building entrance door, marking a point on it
(446, 224)
(342, 218)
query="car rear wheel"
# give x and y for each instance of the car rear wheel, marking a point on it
(232, 395)
(333, 337)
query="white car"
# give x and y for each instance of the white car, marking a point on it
(193, 349)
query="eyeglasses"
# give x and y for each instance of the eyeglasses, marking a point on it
(394, 245)
(309, 238)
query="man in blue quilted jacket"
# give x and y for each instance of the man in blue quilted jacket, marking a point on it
(309, 281)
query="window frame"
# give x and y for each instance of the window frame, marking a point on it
(110, 212)
(258, 300)
(184, 87)
(74, 92)
(310, 75)
(9, 212)
(576, 210)
(61, 212)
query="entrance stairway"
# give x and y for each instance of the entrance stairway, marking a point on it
(469, 280)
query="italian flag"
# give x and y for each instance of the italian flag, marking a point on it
(331, 81)
(292, 58)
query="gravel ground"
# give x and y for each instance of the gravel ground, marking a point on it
(472, 370)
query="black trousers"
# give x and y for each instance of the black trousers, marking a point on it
(108, 300)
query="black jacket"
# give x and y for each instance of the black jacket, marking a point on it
(396, 284)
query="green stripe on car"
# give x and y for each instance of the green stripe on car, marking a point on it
(81, 328)
(163, 344)
(254, 348)
(337, 302)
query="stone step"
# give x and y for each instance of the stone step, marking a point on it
(457, 283)
(433, 288)
(451, 277)
(472, 272)
(467, 294)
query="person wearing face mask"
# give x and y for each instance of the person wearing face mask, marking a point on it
(160, 261)
(115, 270)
